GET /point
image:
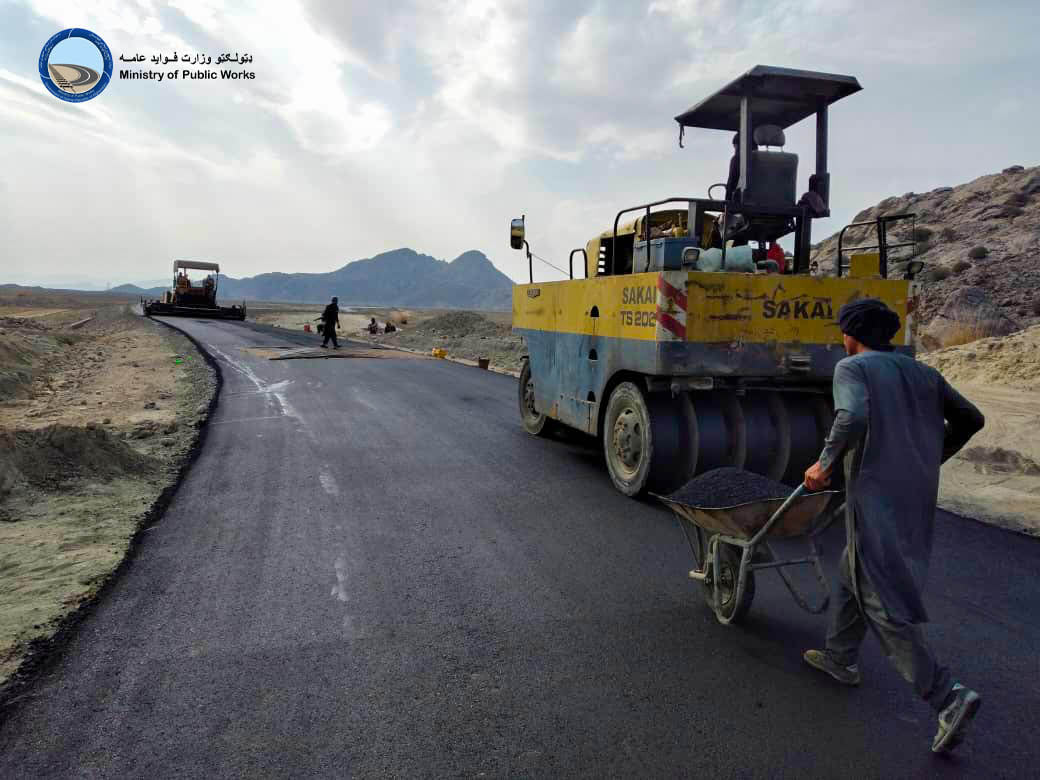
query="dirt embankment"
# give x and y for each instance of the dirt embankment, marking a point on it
(95, 422)
(996, 478)
(464, 334)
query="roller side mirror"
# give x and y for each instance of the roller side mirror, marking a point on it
(516, 233)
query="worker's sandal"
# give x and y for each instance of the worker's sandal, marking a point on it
(822, 660)
(955, 719)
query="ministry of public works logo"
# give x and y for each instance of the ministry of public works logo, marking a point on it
(75, 65)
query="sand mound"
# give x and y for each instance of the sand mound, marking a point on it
(54, 456)
(1013, 361)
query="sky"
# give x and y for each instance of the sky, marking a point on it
(374, 126)
(77, 51)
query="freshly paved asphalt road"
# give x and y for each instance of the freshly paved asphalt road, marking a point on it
(372, 570)
(74, 78)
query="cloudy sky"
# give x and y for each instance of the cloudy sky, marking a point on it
(372, 126)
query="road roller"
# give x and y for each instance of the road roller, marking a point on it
(693, 340)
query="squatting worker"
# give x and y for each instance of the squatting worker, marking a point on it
(330, 321)
(896, 420)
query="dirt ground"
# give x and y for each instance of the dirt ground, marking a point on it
(295, 316)
(94, 424)
(996, 478)
(465, 335)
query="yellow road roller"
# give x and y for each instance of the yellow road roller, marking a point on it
(694, 340)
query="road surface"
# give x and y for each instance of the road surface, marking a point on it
(372, 570)
(74, 78)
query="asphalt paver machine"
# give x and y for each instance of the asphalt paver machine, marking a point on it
(189, 298)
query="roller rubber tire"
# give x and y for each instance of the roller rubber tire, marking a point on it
(627, 440)
(534, 422)
(649, 441)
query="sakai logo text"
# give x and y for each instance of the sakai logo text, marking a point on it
(638, 295)
(798, 310)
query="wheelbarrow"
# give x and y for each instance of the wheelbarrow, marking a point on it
(729, 545)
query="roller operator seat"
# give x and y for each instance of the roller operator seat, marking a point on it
(774, 174)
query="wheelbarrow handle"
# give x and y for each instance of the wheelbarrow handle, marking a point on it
(764, 530)
(814, 558)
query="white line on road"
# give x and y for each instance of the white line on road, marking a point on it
(250, 419)
(328, 482)
(276, 389)
(339, 590)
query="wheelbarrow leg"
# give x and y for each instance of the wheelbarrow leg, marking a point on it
(814, 559)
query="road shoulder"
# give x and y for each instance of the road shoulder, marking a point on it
(93, 452)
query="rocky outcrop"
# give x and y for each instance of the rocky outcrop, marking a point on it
(968, 314)
(983, 235)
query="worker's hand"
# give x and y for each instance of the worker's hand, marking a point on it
(816, 478)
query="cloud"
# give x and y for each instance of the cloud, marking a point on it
(408, 123)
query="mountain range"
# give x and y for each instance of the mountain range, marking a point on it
(401, 277)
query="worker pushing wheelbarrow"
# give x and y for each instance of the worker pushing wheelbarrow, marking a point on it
(896, 421)
(729, 536)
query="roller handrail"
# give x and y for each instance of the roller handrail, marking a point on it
(570, 261)
(881, 226)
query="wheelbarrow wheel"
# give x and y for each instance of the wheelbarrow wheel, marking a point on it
(726, 581)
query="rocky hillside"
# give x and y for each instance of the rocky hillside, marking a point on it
(401, 277)
(980, 243)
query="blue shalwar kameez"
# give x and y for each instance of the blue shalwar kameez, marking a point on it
(896, 421)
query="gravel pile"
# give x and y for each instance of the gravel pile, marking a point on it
(464, 334)
(459, 324)
(728, 486)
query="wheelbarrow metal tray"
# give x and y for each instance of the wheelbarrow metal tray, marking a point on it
(743, 521)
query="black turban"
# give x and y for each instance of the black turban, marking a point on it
(870, 322)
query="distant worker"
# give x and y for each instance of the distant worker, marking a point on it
(896, 420)
(389, 327)
(330, 321)
(373, 326)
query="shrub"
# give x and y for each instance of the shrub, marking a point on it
(936, 274)
(961, 265)
(948, 234)
(977, 253)
(922, 234)
(967, 332)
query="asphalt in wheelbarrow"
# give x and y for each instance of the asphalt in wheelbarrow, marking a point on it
(726, 487)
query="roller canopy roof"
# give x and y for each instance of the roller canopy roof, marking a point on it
(195, 264)
(779, 96)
